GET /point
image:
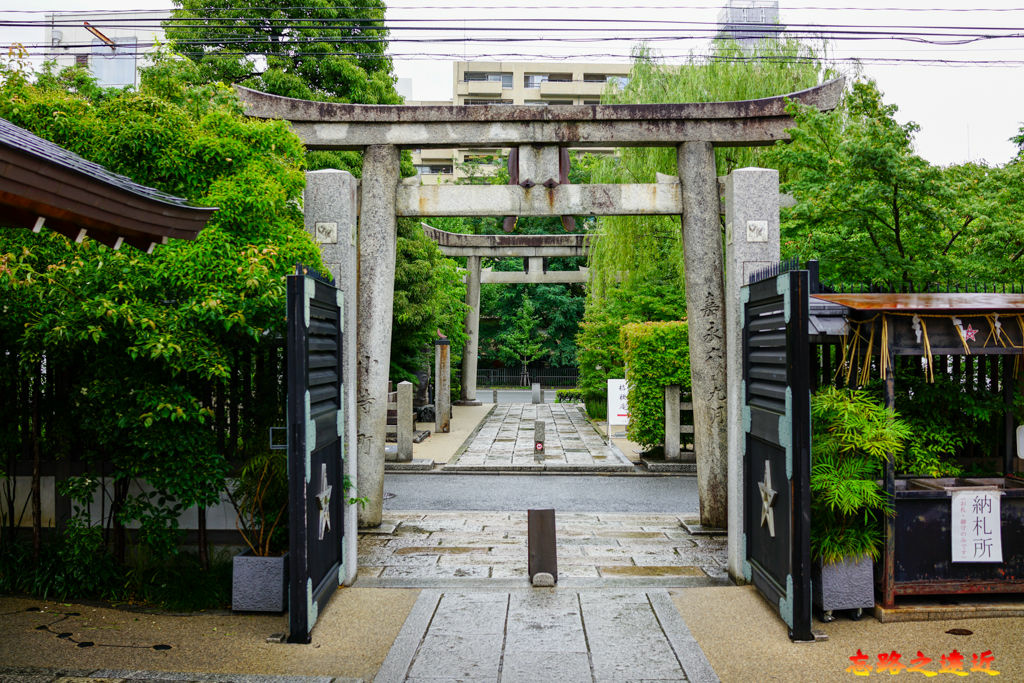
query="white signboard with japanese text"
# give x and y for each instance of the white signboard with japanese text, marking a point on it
(618, 408)
(976, 527)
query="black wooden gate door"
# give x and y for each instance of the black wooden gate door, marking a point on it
(315, 425)
(777, 446)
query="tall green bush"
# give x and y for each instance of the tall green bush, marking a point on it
(656, 354)
(599, 352)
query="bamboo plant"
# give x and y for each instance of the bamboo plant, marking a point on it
(853, 437)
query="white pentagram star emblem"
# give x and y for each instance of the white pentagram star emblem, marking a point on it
(768, 495)
(323, 501)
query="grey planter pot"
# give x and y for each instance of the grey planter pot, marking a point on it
(259, 584)
(849, 584)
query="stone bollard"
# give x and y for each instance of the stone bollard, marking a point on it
(672, 422)
(542, 564)
(405, 422)
(538, 440)
(494, 395)
(442, 386)
(538, 395)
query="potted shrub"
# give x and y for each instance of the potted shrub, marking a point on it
(259, 579)
(852, 436)
(259, 576)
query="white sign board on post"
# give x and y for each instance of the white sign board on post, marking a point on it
(618, 406)
(976, 527)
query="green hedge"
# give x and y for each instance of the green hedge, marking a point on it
(568, 396)
(656, 354)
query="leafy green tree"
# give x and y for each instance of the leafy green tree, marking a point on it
(329, 50)
(429, 298)
(600, 353)
(873, 211)
(521, 342)
(317, 50)
(138, 347)
(636, 262)
(627, 246)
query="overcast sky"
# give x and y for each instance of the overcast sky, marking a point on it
(966, 111)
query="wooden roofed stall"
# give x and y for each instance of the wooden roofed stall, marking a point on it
(44, 185)
(976, 339)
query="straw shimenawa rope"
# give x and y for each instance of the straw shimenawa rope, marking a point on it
(852, 342)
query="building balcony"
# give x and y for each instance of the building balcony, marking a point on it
(489, 88)
(571, 89)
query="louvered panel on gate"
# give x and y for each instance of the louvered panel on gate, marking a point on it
(315, 448)
(776, 446)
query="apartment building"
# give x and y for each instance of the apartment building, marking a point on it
(110, 44)
(538, 84)
(749, 21)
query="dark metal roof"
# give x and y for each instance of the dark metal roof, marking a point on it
(927, 302)
(77, 197)
(826, 319)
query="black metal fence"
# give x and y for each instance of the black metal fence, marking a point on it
(561, 378)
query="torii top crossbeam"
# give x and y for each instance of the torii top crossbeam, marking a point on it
(330, 125)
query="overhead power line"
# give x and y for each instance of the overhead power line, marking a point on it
(543, 5)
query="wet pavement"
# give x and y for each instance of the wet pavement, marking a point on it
(505, 442)
(444, 549)
(550, 634)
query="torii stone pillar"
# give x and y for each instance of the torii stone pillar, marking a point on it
(469, 355)
(705, 311)
(378, 236)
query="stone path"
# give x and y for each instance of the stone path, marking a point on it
(505, 442)
(458, 549)
(548, 634)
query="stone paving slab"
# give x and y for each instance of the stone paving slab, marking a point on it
(433, 549)
(504, 442)
(550, 634)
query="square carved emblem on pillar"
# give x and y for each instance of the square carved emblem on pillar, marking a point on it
(327, 233)
(757, 231)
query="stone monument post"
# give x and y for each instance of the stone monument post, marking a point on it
(442, 385)
(330, 207)
(702, 247)
(405, 422)
(672, 452)
(751, 242)
(377, 239)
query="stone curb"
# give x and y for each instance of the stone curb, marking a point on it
(41, 674)
(568, 583)
(402, 652)
(521, 469)
(675, 467)
(691, 656)
(417, 465)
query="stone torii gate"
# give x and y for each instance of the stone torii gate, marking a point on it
(534, 249)
(539, 133)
